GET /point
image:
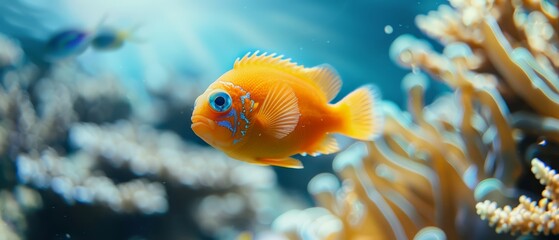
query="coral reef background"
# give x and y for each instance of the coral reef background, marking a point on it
(98, 145)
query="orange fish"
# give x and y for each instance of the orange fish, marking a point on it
(267, 109)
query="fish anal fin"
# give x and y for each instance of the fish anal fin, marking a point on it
(327, 79)
(287, 162)
(279, 113)
(327, 145)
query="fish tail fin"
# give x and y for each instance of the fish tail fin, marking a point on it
(362, 112)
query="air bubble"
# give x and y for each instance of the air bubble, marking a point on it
(388, 29)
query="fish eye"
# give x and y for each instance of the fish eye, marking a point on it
(220, 101)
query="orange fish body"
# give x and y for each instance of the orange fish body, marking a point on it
(267, 109)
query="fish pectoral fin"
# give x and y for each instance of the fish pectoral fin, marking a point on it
(287, 162)
(327, 145)
(327, 79)
(279, 113)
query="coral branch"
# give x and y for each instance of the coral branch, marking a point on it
(529, 217)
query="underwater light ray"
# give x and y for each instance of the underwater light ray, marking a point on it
(194, 46)
(132, 10)
(29, 19)
(248, 35)
(306, 28)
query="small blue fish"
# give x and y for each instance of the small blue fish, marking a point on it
(73, 42)
(111, 38)
(67, 43)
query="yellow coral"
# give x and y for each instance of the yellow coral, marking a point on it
(534, 217)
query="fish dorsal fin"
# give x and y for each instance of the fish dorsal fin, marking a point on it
(269, 60)
(324, 76)
(279, 113)
(327, 79)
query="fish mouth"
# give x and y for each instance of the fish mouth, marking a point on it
(208, 131)
(202, 122)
